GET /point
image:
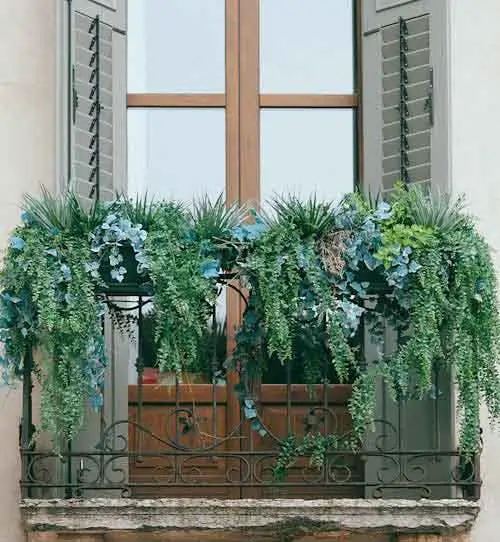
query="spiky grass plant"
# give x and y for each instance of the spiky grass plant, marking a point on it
(64, 212)
(438, 211)
(312, 217)
(214, 219)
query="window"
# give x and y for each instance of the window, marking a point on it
(248, 98)
(282, 77)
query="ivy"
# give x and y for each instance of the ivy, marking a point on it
(317, 275)
(107, 243)
(316, 446)
(49, 302)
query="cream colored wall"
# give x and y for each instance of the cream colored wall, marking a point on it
(475, 146)
(27, 158)
(27, 155)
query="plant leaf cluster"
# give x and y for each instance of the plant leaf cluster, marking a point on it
(317, 274)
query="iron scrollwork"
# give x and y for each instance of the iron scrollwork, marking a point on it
(187, 452)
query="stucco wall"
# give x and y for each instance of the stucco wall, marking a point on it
(27, 155)
(475, 117)
(27, 158)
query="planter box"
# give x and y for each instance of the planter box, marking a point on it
(132, 278)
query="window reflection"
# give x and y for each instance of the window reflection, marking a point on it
(306, 46)
(306, 151)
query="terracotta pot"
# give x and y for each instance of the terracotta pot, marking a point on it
(150, 376)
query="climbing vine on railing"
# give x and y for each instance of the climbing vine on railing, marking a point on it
(317, 274)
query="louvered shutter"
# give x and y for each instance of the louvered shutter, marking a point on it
(404, 93)
(404, 105)
(96, 166)
(97, 101)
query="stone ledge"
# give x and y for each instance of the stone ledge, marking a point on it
(353, 515)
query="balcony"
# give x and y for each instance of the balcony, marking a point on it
(312, 357)
(194, 438)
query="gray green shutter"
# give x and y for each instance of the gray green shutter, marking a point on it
(96, 164)
(404, 93)
(405, 137)
(97, 98)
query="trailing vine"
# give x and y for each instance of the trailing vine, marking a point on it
(318, 276)
(316, 446)
(49, 302)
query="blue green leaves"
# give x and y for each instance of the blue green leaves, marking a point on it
(249, 409)
(17, 243)
(210, 268)
(250, 413)
(93, 269)
(249, 232)
(110, 238)
(388, 260)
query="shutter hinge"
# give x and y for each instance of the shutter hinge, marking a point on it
(429, 101)
(74, 93)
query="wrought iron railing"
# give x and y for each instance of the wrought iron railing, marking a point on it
(198, 439)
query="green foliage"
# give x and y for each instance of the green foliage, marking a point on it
(47, 277)
(275, 273)
(316, 446)
(212, 348)
(442, 214)
(214, 220)
(141, 210)
(183, 296)
(362, 403)
(471, 329)
(63, 213)
(317, 276)
(311, 218)
(397, 235)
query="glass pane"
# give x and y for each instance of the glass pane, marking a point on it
(306, 151)
(306, 46)
(205, 369)
(180, 154)
(176, 46)
(176, 153)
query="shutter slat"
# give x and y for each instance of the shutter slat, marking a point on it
(93, 121)
(415, 59)
(416, 75)
(416, 126)
(414, 94)
(416, 25)
(415, 141)
(418, 174)
(415, 158)
(416, 109)
(415, 43)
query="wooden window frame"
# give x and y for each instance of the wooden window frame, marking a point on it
(243, 102)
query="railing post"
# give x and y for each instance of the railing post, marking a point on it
(26, 423)
(68, 493)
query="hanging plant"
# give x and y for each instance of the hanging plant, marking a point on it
(186, 253)
(317, 275)
(49, 303)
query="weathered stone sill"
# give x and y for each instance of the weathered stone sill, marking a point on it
(313, 516)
